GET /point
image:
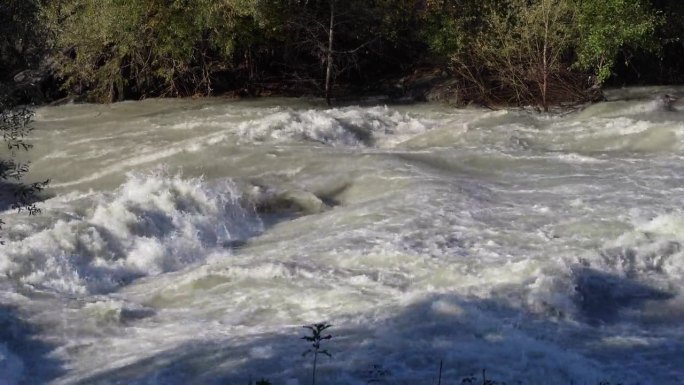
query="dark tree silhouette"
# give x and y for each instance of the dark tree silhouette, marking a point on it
(316, 338)
(14, 193)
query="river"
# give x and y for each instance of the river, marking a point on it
(187, 242)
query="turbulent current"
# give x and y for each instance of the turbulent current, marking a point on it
(188, 241)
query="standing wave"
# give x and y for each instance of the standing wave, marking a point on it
(152, 224)
(349, 126)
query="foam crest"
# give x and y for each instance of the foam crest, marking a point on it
(641, 269)
(546, 248)
(350, 126)
(653, 248)
(153, 223)
(632, 278)
(601, 135)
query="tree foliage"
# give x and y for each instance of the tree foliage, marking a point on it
(521, 48)
(120, 48)
(20, 31)
(510, 51)
(606, 27)
(14, 193)
(116, 49)
(540, 51)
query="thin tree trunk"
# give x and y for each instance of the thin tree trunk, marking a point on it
(328, 71)
(112, 93)
(313, 375)
(439, 379)
(545, 83)
(545, 70)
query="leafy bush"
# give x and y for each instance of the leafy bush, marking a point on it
(121, 48)
(15, 126)
(606, 27)
(540, 52)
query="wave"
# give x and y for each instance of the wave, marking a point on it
(152, 224)
(633, 278)
(349, 126)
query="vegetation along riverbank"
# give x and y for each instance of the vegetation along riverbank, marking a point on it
(489, 52)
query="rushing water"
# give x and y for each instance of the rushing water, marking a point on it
(187, 241)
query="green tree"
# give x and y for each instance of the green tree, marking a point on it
(540, 52)
(518, 54)
(609, 26)
(524, 46)
(20, 34)
(502, 51)
(353, 39)
(122, 48)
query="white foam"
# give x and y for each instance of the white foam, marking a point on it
(468, 245)
(655, 246)
(350, 126)
(154, 223)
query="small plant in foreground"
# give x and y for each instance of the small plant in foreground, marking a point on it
(15, 126)
(472, 380)
(316, 338)
(262, 381)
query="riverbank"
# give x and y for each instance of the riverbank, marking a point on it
(426, 84)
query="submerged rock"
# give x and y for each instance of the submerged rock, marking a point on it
(270, 201)
(668, 101)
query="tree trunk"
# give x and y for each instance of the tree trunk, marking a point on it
(545, 69)
(329, 59)
(313, 375)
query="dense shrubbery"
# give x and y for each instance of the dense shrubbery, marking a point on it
(114, 49)
(20, 34)
(541, 52)
(544, 51)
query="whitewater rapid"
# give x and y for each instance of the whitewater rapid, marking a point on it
(187, 242)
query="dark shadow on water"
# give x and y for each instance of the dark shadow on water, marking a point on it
(601, 296)
(7, 197)
(467, 334)
(21, 338)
